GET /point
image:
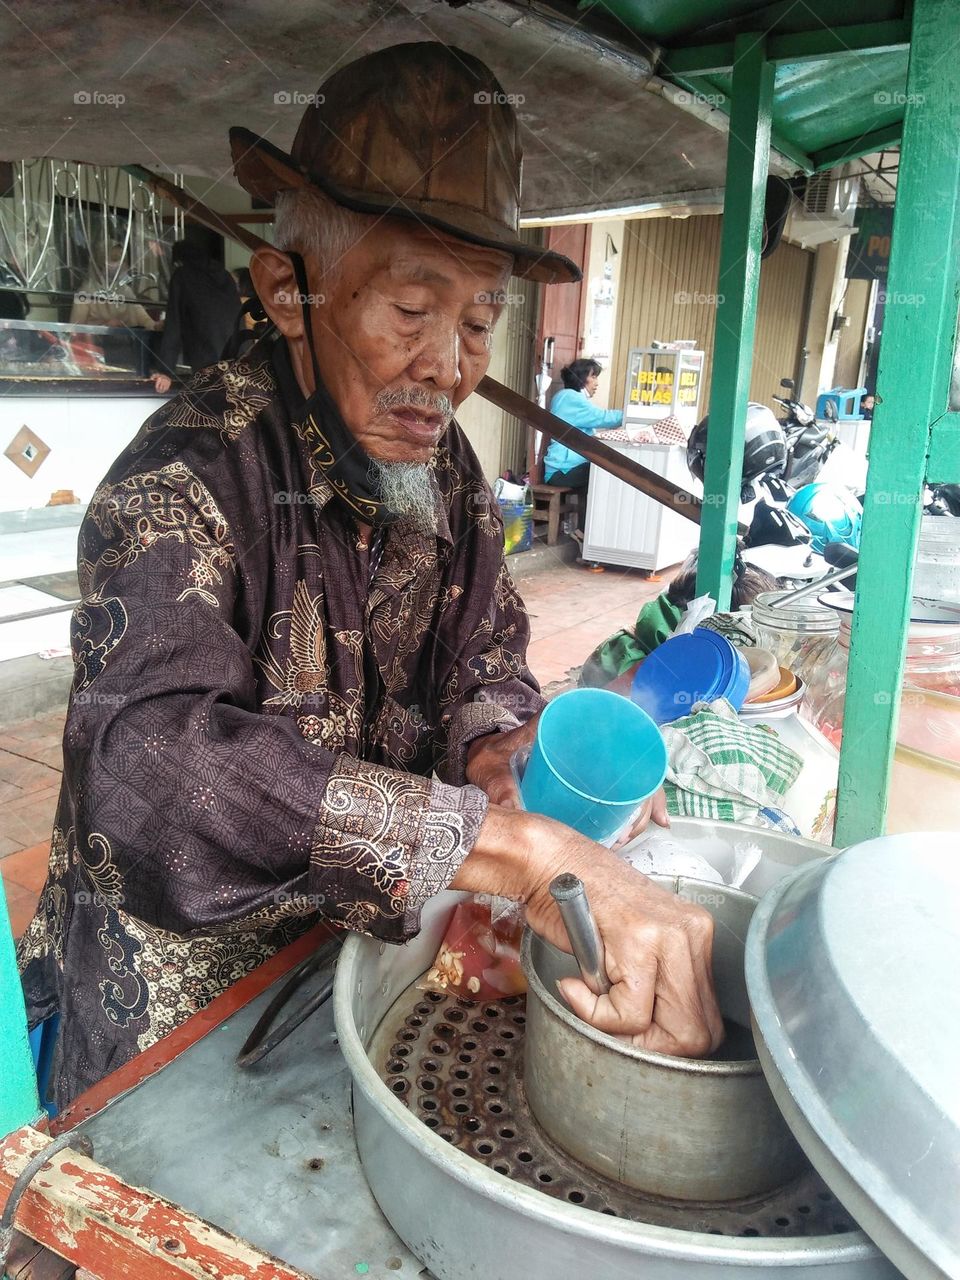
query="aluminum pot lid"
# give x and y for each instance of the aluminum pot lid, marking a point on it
(853, 972)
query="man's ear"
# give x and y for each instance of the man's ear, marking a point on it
(276, 285)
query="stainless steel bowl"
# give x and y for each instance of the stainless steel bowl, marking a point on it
(682, 1128)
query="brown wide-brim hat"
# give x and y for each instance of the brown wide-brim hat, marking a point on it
(420, 131)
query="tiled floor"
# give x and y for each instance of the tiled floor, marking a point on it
(570, 610)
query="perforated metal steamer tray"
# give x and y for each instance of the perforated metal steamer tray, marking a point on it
(464, 1176)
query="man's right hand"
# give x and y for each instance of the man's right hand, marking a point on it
(161, 383)
(658, 947)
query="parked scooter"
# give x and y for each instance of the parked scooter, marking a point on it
(809, 443)
(814, 449)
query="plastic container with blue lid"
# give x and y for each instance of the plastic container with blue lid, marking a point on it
(686, 669)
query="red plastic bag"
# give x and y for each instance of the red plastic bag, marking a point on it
(479, 957)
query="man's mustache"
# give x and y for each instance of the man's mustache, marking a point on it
(415, 398)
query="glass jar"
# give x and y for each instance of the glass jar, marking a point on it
(802, 636)
(932, 662)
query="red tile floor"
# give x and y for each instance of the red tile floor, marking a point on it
(570, 610)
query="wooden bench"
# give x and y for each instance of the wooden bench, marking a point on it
(551, 502)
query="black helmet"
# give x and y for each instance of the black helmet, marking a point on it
(776, 526)
(764, 445)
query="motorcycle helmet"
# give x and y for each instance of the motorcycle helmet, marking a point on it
(764, 445)
(830, 513)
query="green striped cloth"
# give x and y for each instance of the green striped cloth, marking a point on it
(724, 769)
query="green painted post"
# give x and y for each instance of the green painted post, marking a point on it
(748, 150)
(913, 383)
(19, 1103)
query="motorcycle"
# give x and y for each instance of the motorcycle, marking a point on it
(814, 448)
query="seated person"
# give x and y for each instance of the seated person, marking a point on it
(561, 466)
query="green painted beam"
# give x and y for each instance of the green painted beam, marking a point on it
(854, 148)
(714, 96)
(696, 60)
(19, 1103)
(913, 391)
(943, 456)
(748, 149)
(797, 46)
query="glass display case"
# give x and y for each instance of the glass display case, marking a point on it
(42, 351)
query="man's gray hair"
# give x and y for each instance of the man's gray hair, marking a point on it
(307, 221)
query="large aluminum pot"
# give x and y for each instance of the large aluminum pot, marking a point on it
(462, 1219)
(681, 1128)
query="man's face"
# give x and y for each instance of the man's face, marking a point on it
(593, 381)
(405, 334)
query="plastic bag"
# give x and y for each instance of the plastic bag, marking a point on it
(656, 853)
(479, 957)
(697, 611)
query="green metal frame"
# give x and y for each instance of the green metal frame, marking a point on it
(915, 432)
(738, 285)
(797, 46)
(911, 419)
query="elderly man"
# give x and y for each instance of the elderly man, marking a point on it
(300, 659)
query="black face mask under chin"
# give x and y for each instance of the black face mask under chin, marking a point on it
(337, 453)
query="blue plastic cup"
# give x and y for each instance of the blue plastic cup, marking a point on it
(595, 759)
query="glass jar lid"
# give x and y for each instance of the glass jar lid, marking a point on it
(806, 615)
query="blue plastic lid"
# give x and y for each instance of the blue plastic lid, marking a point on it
(698, 667)
(736, 670)
(681, 671)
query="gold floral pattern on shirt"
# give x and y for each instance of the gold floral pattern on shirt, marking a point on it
(292, 654)
(246, 387)
(405, 834)
(168, 503)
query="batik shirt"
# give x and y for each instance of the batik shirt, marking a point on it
(266, 722)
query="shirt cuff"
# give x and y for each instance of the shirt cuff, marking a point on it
(387, 841)
(472, 720)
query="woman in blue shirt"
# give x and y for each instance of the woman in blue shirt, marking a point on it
(561, 466)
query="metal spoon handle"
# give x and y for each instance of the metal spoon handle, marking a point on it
(800, 593)
(571, 899)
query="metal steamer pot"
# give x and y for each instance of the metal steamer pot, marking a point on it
(464, 1218)
(688, 1129)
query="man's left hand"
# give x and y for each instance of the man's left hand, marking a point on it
(488, 767)
(488, 762)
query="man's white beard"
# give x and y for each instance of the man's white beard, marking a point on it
(406, 490)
